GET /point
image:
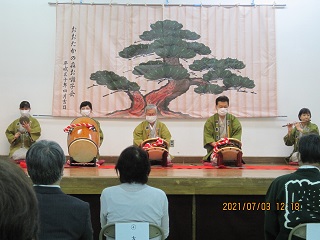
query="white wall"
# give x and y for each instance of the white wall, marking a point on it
(27, 47)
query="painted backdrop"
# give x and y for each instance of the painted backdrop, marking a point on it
(178, 57)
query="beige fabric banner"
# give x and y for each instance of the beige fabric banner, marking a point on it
(178, 57)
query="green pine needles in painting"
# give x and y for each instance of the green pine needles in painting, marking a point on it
(173, 47)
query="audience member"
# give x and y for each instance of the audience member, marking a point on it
(133, 200)
(22, 132)
(18, 204)
(61, 216)
(294, 198)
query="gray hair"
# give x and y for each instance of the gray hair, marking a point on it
(151, 106)
(45, 160)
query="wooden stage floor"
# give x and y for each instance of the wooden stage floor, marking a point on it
(92, 180)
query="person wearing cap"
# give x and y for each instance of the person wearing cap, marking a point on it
(22, 132)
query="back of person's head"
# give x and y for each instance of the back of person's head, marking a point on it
(18, 204)
(304, 111)
(86, 103)
(309, 148)
(222, 99)
(45, 161)
(133, 165)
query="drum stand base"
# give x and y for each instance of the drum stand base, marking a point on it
(92, 163)
(238, 162)
(163, 162)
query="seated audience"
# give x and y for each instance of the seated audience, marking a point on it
(133, 200)
(61, 216)
(22, 132)
(296, 131)
(18, 204)
(152, 128)
(294, 198)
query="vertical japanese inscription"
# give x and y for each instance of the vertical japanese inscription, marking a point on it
(69, 71)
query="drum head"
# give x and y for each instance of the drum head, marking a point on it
(83, 150)
(156, 153)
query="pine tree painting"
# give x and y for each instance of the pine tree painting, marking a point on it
(171, 45)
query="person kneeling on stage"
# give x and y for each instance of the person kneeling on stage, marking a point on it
(296, 131)
(22, 133)
(151, 128)
(220, 125)
(86, 110)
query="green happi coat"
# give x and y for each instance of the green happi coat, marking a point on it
(28, 138)
(293, 138)
(100, 132)
(141, 132)
(211, 131)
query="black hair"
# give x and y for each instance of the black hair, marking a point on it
(24, 104)
(304, 111)
(133, 165)
(86, 103)
(222, 99)
(309, 148)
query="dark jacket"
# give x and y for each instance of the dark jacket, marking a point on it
(62, 216)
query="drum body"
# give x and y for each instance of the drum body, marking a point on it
(230, 151)
(83, 143)
(156, 151)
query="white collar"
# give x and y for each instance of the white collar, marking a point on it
(308, 167)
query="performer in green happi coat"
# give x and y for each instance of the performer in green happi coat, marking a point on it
(22, 132)
(152, 128)
(220, 125)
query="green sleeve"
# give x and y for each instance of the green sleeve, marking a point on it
(138, 135)
(35, 130)
(11, 131)
(165, 133)
(313, 129)
(289, 140)
(208, 132)
(236, 128)
(100, 132)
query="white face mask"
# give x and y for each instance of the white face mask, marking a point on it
(222, 111)
(151, 119)
(25, 113)
(85, 112)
